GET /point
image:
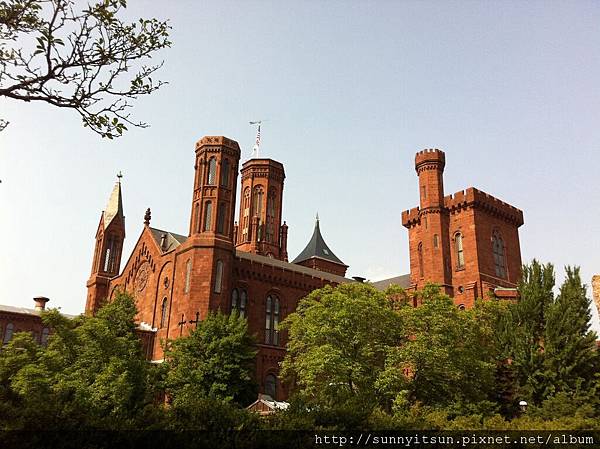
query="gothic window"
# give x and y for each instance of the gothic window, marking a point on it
(45, 335)
(225, 172)
(238, 302)
(270, 230)
(258, 200)
(436, 242)
(271, 386)
(420, 255)
(246, 215)
(188, 276)
(272, 321)
(207, 215)
(212, 171)
(458, 246)
(8, 333)
(219, 277)
(221, 213)
(163, 313)
(197, 217)
(499, 256)
(110, 256)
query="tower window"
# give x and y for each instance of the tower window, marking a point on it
(212, 171)
(197, 217)
(499, 256)
(420, 255)
(110, 256)
(222, 212)
(207, 215)
(271, 386)
(8, 333)
(272, 320)
(436, 242)
(246, 217)
(219, 277)
(163, 313)
(225, 173)
(458, 245)
(188, 276)
(238, 301)
(258, 200)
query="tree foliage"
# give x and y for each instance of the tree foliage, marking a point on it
(338, 341)
(53, 52)
(92, 373)
(216, 362)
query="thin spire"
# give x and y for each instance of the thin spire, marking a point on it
(114, 208)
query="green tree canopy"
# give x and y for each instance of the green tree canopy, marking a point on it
(338, 341)
(216, 361)
(92, 373)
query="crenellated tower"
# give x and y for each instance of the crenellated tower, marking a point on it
(108, 250)
(204, 262)
(260, 230)
(430, 245)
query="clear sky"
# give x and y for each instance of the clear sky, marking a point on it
(351, 90)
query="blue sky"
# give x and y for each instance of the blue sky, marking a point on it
(350, 91)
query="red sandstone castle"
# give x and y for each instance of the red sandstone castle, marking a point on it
(467, 242)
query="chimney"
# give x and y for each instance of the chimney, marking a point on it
(40, 302)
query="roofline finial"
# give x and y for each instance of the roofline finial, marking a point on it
(119, 176)
(317, 215)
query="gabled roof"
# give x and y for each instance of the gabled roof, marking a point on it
(114, 208)
(172, 240)
(317, 248)
(402, 281)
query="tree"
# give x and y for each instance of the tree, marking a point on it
(215, 362)
(449, 358)
(52, 52)
(92, 373)
(571, 357)
(338, 340)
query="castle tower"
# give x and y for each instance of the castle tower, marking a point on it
(203, 264)
(109, 248)
(260, 230)
(429, 236)
(318, 256)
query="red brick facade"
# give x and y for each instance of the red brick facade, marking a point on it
(221, 265)
(467, 242)
(178, 279)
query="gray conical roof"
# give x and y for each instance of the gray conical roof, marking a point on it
(114, 208)
(317, 248)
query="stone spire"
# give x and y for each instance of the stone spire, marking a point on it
(114, 208)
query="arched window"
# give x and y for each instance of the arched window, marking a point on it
(221, 213)
(420, 254)
(436, 242)
(271, 386)
(45, 335)
(163, 313)
(225, 172)
(212, 171)
(8, 333)
(238, 302)
(270, 228)
(218, 277)
(207, 215)
(110, 256)
(272, 320)
(499, 256)
(197, 225)
(246, 217)
(458, 246)
(188, 276)
(258, 200)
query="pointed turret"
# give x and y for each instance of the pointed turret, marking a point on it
(317, 255)
(109, 247)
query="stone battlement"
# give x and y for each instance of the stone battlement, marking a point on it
(485, 201)
(217, 140)
(429, 156)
